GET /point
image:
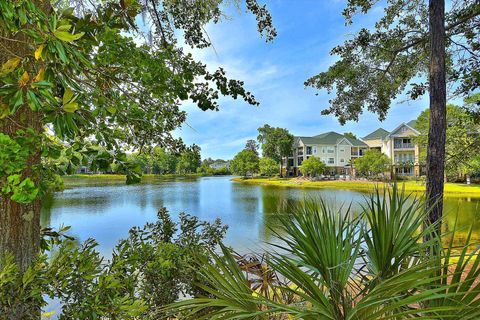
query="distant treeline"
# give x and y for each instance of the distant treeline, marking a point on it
(160, 162)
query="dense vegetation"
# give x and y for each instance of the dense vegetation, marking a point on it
(331, 263)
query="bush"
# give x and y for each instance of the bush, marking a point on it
(149, 269)
(332, 264)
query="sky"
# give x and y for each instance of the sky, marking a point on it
(275, 73)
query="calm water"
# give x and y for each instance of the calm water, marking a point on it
(107, 212)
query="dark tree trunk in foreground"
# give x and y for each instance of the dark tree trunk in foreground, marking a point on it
(437, 130)
(20, 223)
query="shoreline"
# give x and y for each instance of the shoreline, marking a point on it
(451, 189)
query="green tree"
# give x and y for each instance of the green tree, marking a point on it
(313, 166)
(252, 145)
(277, 143)
(163, 162)
(372, 163)
(462, 140)
(244, 163)
(268, 167)
(411, 48)
(81, 74)
(190, 160)
(350, 135)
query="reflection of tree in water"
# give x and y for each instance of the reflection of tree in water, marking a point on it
(465, 212)
(46, 213)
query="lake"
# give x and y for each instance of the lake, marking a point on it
(106, 211)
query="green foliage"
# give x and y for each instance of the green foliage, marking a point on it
(342, 265)
(81, 73)
(268, 167)
(244, 163)
(378, 64)
(189, 160)
(252, 145)
(372, 163)
(149, 269)
(313, 166)
(462, 141)
(277, 143)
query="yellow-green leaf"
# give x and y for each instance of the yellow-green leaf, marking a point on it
(112, 110)
(40, 75)
(70, 107)
(24, 79)
(65, 27)
(4, 110)
(10, 65)
(67, 36)
(67, 96)
(38, 52)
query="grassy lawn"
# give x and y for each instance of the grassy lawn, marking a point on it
(76, 180)
(451, 189)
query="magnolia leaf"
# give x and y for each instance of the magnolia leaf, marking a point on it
(24, 79)
(4, 110)
(67, 96)
(67, 36)
(112, 110)
(38, 52)
(10, 65)
(65, 27)
(40, 75)
(71, 107)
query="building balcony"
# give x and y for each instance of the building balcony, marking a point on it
(403, 146)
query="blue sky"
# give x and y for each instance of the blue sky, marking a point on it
(275, 72)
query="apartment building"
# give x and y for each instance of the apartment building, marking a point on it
(334, 149)
(398, 145)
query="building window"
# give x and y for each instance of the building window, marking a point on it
(309, 150)
(342, 160)
(300, 160)
(342, 150)
(314, 150)
(331, 160)
(290, 162)
(330, 150)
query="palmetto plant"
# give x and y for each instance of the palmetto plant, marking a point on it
(338, 265)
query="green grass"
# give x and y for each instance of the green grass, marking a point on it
(451, 189)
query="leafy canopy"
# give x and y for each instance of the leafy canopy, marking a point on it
(377, 65)
(268, 167)
(87, 77)
(276, 142)
(244, 163)
(313, 166)
(372, 163)
(462, 143)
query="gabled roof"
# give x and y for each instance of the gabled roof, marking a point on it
(380, 133)
(407, 125)
(412, 123)
(331, 138)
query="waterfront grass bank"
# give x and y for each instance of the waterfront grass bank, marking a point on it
(451, 189)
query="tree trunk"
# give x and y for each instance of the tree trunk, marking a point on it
(437, 130)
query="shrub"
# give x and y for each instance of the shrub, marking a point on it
(332, 264)
(150, 268)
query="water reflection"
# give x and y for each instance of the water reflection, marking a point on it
(106, 212)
